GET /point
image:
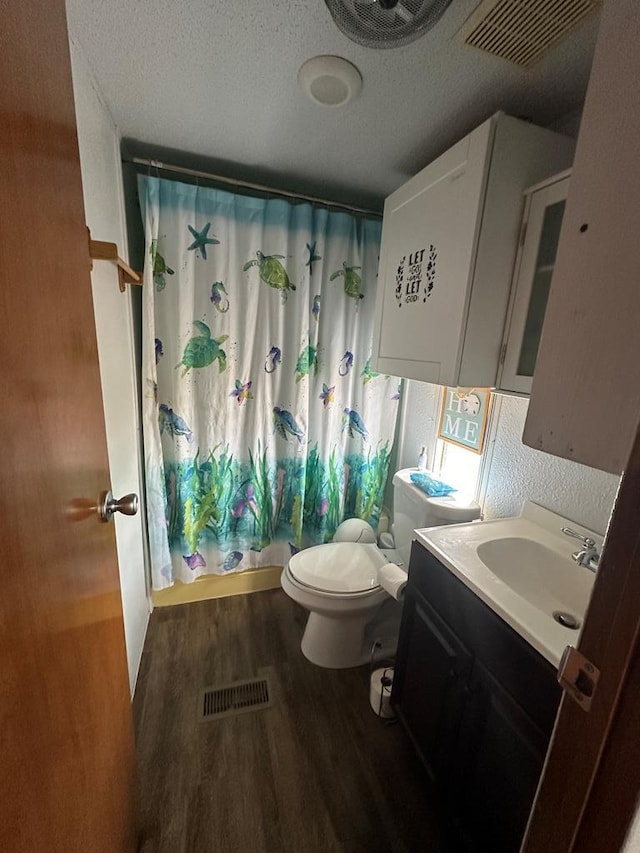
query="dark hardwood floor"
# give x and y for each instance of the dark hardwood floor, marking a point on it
(318, 772)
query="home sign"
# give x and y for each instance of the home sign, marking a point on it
(463, 419)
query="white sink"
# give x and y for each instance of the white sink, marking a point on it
(538, 574)
(522, 568)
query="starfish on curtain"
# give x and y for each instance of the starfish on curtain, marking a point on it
(328, 395)
(202, 240)
(242, 391)
(313, 256)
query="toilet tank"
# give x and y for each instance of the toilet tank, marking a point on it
(413, 509)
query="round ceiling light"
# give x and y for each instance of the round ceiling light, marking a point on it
(330, 80)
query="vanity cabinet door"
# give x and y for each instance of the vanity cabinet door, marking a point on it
(544, 211)
(478, 702)
(498, 763)
(429, 688)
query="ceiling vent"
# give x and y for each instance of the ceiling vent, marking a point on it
(520, 31)
(385, 23)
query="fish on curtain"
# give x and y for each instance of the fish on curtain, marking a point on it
(264, 423)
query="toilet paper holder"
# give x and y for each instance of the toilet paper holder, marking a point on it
(380, 692)
(381, 674)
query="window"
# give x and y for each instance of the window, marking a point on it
(458, 467)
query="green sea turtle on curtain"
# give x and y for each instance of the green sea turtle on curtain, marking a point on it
(202, 350)
(272, 272)
(352, 281)
(307, 361)
(160, 267)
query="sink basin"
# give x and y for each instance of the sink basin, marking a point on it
(544, 578)
(522, 569)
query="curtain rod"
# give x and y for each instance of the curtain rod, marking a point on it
(194, 173)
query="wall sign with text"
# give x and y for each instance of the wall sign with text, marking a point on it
(463, 419)
(416, 276)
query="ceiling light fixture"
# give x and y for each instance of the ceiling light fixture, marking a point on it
(330, 80)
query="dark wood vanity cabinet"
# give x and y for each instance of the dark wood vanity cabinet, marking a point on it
(431, 708)
(478, 703)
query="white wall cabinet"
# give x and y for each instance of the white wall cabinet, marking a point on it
(540, 235)
(449, 239)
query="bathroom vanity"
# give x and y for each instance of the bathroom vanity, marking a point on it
(476, 697)
(477, 701)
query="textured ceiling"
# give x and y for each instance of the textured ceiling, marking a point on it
(218, 80)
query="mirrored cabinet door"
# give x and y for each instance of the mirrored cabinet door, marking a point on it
(544, 209)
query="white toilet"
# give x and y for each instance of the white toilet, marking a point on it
(338, 582)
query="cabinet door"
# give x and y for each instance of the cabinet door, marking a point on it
(543, 219)
(585, 401)
(428, 691)
(497, 766)
(429, 238)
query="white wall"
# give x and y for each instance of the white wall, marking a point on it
(516, 472)
(512, 472)
(416, 427)
(418, 422)
(104, 208)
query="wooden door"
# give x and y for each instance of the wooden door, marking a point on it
(590, 786)
(66, 747)
(591, 782)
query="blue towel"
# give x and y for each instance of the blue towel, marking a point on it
(434, 488)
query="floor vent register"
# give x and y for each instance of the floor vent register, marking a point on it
(251, 694)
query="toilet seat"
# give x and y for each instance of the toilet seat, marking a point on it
(339, 568)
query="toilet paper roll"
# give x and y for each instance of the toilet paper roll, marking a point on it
(393, 579)
(380, 692)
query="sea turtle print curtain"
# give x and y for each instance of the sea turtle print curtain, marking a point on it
(264, 424)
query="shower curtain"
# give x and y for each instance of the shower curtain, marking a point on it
(264, 424)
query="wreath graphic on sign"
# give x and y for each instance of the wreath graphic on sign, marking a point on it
(400, 280)
(431, 269)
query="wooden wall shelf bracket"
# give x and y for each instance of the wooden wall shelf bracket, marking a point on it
(101, 251)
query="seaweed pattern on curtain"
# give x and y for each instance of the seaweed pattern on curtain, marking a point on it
(264, 424)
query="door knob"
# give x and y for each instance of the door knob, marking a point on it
(107, 505)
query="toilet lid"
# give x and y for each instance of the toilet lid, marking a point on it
(346, 567)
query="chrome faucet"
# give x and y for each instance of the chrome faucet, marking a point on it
(587, 556)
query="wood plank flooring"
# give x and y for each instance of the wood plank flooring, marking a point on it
(318, 772)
